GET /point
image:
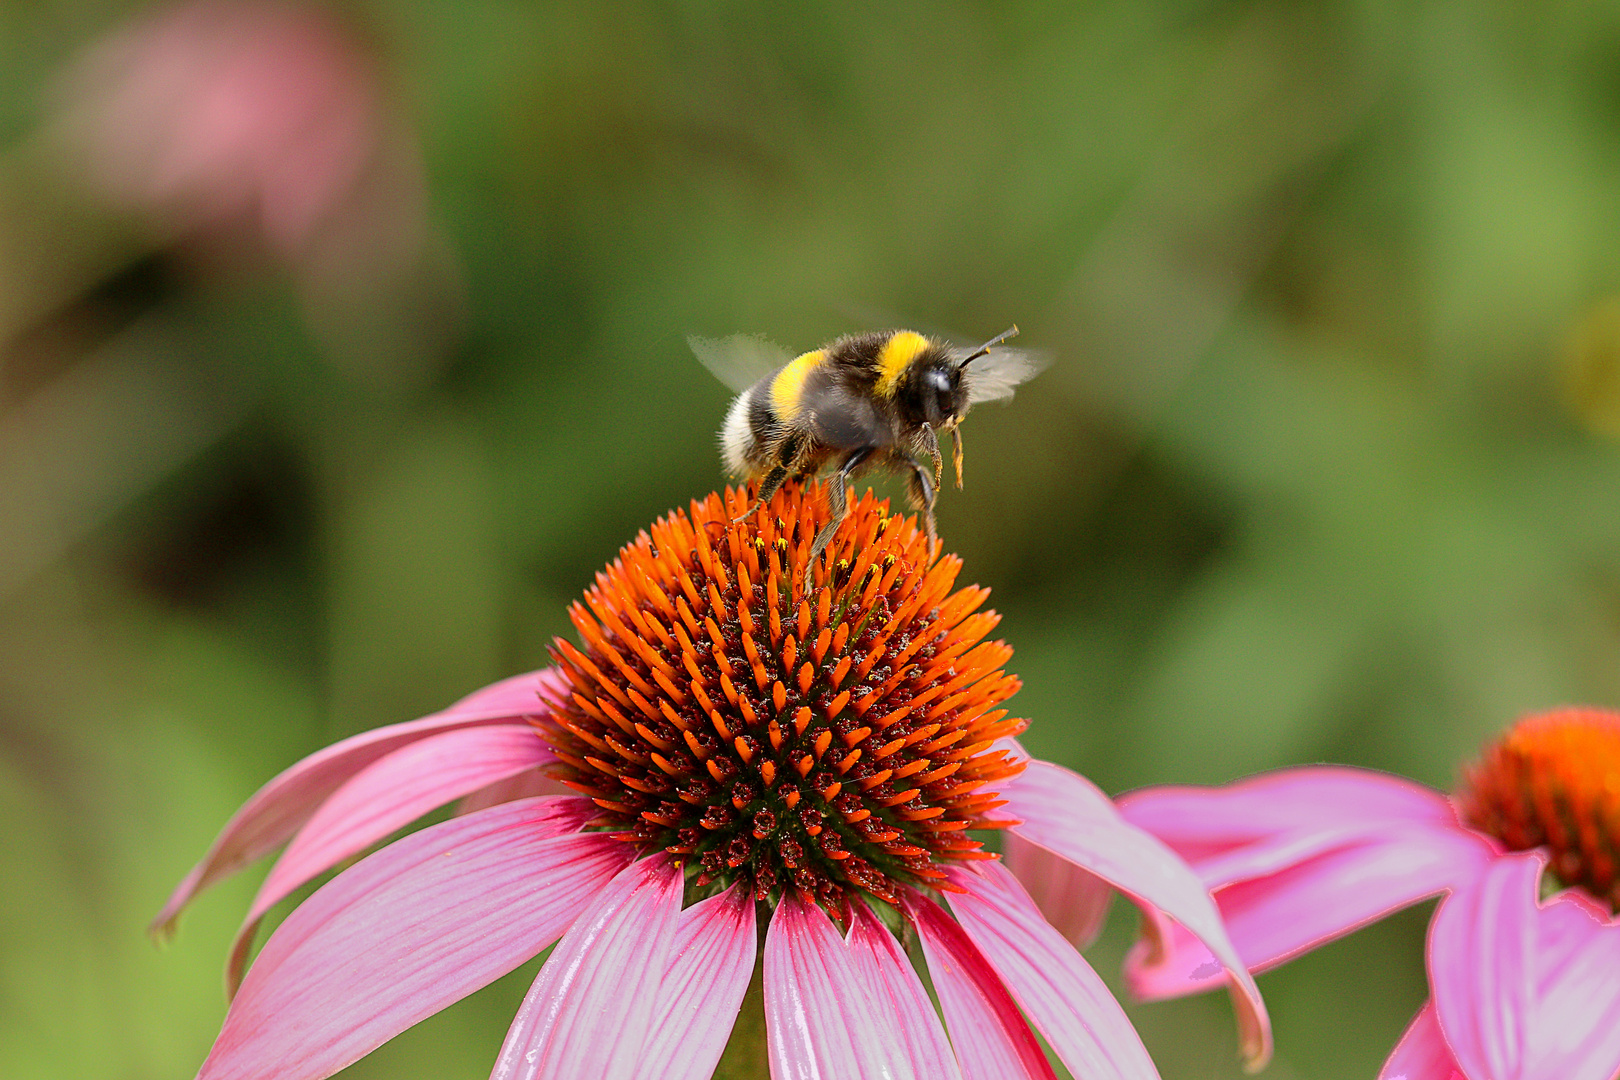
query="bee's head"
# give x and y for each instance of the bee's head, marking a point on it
(940, 391)
(941, 387)
(927, 376)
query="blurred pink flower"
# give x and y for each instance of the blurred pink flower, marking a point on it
(214, 112)
(1523, 988)
(704, 778)
(235, 128)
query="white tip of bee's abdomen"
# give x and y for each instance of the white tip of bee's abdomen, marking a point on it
(736, 437)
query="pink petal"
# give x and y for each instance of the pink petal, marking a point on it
(818, 1021)
(1482, 956)
(1199, 821)
(386, 795)
(1013, 749)
(277, 809)
(1066, 814)
(710, 965)
(1422, 1053)
(1575, 1030)
(1275, 917)
(1279, 820)
(1524, 991)
(526, 785)
(590, 1008)
(513, 696)
(1073, 900)
(408, 930)
(1053, 984)
(992, 1040)
(900, 1002)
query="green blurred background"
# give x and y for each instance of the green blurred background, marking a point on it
(1322, 469)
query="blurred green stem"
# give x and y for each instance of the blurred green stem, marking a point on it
(745, 1058)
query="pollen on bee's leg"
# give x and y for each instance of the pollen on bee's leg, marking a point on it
(829, 738)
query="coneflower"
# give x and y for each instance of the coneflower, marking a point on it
(1523, 952)
(752, 760)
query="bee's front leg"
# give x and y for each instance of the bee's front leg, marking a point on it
(956, 438)
(928, 443)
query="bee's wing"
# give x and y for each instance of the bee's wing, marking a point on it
(994, 376)
(740, 360)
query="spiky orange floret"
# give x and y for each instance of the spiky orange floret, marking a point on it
(1553, 781)
(831, 739)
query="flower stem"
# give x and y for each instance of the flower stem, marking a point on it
(745, 1057)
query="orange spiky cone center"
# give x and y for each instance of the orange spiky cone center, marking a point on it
(1553, 782)
(829, 741)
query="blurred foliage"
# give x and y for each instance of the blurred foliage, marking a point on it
(1322, 469)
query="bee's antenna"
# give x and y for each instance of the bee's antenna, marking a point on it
(1010, 332)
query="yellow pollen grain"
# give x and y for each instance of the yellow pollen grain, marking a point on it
(892, 360)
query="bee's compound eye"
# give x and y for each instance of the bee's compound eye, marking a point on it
(937, 395)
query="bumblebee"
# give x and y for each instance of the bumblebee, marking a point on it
(864, 401)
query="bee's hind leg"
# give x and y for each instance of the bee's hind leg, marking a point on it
(767, 489)
(787, 460)
(838, 509)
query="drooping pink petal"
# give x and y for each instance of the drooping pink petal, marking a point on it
(1052, 983)
(818, 1020)
(1482, 952)
(408, 930)
(1422, 1053)
(1277, 821)
(386, 795)
(535, 821)
(1201, 821)
(900, 1002)
(1073, 900)
(590, 1008)
(1576, 1027)
(992, 1040)
(526, 785)
(511, 697)
(1325, 895)
(709, 968)
(278, 808)
(1524, 991)
(1066, 814)
(1014, 750)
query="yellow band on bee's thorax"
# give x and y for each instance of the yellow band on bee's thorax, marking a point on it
(899, 351)
(787, 389)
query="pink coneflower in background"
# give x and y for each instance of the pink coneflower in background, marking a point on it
(1523, 952)
(750, 761)
(217, 112)
(231, 129)
(214, 111)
